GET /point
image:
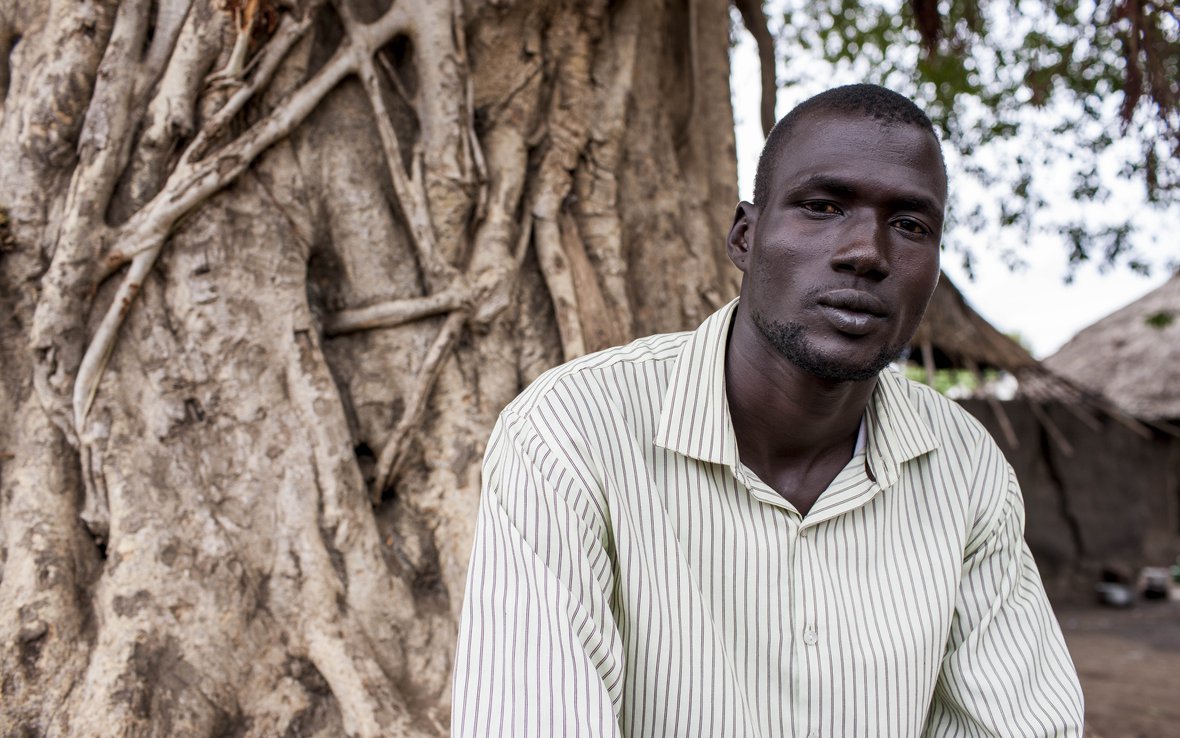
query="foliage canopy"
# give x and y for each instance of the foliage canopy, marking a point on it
(1035, 99)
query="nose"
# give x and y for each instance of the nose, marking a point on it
(864, 250)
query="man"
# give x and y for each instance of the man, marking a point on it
(757, 529)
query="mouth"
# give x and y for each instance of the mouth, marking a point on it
(855, 301)
(851, 311)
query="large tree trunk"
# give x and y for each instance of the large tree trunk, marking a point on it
(267, 274)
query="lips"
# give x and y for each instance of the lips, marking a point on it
(852, 311)
(857, 301)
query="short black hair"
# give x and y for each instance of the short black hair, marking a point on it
(871, 101)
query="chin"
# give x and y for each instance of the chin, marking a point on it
(792, 342)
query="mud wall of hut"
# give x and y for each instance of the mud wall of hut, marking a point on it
(1107, 502)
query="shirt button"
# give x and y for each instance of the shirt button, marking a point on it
(810, 637)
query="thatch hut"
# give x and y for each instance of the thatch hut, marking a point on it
(1132, 356)
(1101, 488)
(953, 336)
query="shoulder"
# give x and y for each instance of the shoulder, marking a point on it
(942, 412)
(966, 452)
(576, 421)
(590, 380)
(587, 417)
(953, 427)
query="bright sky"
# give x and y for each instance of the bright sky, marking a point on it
(1034, 301)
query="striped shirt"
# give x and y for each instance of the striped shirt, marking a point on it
(630, 577)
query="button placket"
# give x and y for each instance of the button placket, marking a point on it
(797, 618)
(807, 612)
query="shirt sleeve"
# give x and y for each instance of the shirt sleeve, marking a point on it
(538, 650)
(1006, 672)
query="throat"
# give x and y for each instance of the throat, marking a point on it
(794, 430)
(802, 480)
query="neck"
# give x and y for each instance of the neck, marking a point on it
(767, 393)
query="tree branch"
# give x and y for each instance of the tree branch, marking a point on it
(498, 295)
(174, 85)
(755, 20)
(503, 234)
(141, 232)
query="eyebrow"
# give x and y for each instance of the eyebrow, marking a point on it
(917, 203)
(837, 186)
(827, 183)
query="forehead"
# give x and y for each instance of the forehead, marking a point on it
(863, 150)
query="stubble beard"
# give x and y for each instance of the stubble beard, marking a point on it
(790, 340)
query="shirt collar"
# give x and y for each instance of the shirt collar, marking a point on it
(695, 419)
(897, 431)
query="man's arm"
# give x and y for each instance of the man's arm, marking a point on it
(538, 651)
(1006, 672)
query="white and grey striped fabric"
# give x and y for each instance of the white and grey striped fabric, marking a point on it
(630, 577)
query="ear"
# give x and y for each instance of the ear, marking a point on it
(741, 235)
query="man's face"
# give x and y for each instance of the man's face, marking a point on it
(842, 259)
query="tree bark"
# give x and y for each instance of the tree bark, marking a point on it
(268, 272)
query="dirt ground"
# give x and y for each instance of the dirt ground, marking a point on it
(1129, 664)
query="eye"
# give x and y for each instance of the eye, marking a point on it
(909, 225)
(821, 207)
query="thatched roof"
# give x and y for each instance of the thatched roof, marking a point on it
(1131, 356)
(961, 338)
(953, 335)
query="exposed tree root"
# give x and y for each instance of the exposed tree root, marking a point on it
(224, 571)
(43, 622)
(411, 191)
(596, 183)
(394, 451)
(331, 638)
(170, 17)
(170, 118)
(393, 313)
(566, 132)
(193, 182)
